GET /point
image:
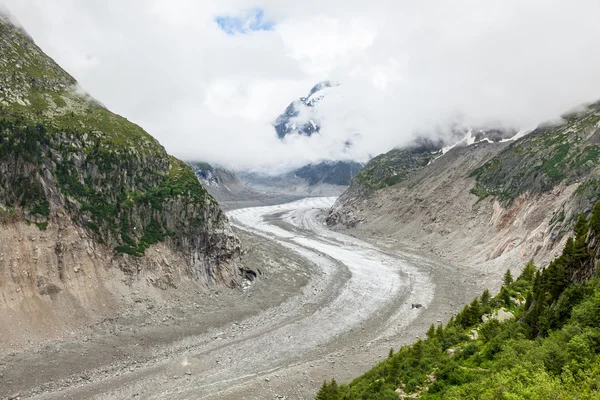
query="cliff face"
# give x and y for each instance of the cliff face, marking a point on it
(69, 168)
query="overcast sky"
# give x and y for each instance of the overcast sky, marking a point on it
(208, 78)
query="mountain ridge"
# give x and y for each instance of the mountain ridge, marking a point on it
(96, 193)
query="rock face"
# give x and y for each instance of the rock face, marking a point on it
(300, 116)
(83, 190)
(492, 202)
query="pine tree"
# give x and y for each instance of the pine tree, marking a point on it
(557, 278)
(528, 300)
(505, 296)
(537, 283)
(474, 312)
(595, 218)
(328, 391)
(508, 279)
(439, 333)
(462, 318)
(431, 332)
(528, 272)
(567, 253)
(333, 390)
(581, 226)
(418, 350)
(486, 297)
(323, 393)
(391, 352)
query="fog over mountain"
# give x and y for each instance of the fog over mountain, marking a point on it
(210, 78)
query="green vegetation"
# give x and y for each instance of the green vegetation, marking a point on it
(41, 225)
(549, 350)
(547, 157)
(480, 191)
(393, 167)
(41, 208)
(106, 173)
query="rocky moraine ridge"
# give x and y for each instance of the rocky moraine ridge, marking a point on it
(89, 202)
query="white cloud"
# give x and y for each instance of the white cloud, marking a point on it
(403, 67)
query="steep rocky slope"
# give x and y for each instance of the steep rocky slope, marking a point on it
(90, 204)
(489, 203)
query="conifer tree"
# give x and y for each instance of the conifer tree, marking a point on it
(323, 393)
(595, 218)
(328, 391)
(528, 273)
(508, 279)
(505, 296)
(439, 332)
(486, 297)
(431, 332)
(581, 226)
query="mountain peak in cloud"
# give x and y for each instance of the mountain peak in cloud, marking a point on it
(301, 117)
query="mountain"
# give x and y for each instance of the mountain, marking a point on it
(492, 204)
(214, 177)
(333, 172)
(394, 166)
(231, 192)
(301, 117)
(489, 203)
(326, 178)
(398, 164)
(90, 204)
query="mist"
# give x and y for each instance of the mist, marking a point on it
(209, 78)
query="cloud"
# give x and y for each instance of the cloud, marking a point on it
(209, 78)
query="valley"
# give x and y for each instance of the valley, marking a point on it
(377, 238)
(323, 303)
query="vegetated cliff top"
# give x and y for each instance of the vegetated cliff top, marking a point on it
(36, 88)
(393, 167)
(62, 152)
(551, 155)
